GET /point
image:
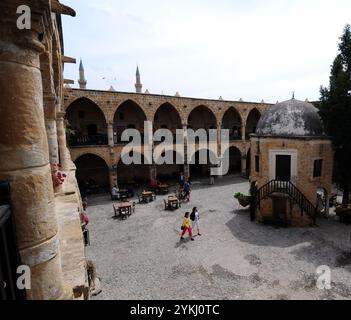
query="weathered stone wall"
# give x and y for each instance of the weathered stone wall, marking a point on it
(110, 101)
(31, 140)
(308, 150)
(173, 112)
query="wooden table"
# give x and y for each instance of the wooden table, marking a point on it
(147, 196)
(173, 202)
(125, 209)
(163, 188)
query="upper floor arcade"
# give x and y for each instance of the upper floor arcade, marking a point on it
(100, 117)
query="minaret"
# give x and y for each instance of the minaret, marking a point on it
(138, 85)
(82, 82)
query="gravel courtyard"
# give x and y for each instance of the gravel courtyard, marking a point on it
(143, 258)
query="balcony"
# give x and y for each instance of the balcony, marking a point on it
(88, 140)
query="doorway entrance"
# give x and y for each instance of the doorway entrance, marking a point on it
(283, 167)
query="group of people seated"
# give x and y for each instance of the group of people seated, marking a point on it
(116, 193)
(155, 186)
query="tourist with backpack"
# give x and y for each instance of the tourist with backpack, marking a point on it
(195, 217)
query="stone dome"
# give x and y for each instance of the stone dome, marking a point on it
(291, 118)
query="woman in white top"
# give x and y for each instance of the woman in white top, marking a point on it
(195, 217)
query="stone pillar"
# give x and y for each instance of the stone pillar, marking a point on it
(110, 135)
(243, 166)
(186, 167)
(65, 159)
(111, 144)
(51, 129)
(219, 138)
(153, 172)
(243, 132)
(219, 144)
(24, 160)
(113, 177)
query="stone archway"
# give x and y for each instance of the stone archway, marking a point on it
(202, 118)
(92, 174)
(167, 117)
(251, 122)
(83, 115)
(170, 172)
(129, 115)
(235, 160)
(133, 174)
(232, 121)
(198, 169)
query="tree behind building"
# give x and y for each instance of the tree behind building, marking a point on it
(335, 111)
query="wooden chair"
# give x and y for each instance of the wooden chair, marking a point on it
(129, 211)
(154, 196)
(133, 208)
(166, 204)
(140, 198)
(123, 213)
(123, 198)
(116, 211)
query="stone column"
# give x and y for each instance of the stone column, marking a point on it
(110, 135)
(219, 138)
(51, 129)
(243, 166)
(113, 177)
(24, 160)
(113, 168)
(186, 167)
(243, 132)
(65, 158)
(153, 172)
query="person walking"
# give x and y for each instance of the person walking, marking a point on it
(187, 190)
(186, 226)
(195, 217)
(181, 180)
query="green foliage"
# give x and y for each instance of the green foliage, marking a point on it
(335, 111)
(69, 130)
(244, 200)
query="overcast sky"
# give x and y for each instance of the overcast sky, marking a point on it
(252, 49)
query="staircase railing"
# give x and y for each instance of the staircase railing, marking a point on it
(290, 189)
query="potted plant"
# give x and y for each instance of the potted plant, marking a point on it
(243, 200)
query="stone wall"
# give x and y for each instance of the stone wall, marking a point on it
(307, 150)
(32, 140)
(172, 112)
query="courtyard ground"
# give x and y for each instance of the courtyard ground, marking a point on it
(143, 258)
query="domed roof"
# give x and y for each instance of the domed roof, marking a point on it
(291, 118)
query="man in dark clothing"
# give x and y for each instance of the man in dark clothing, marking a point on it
(253, 200)
(181, 180)
(187, 190)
